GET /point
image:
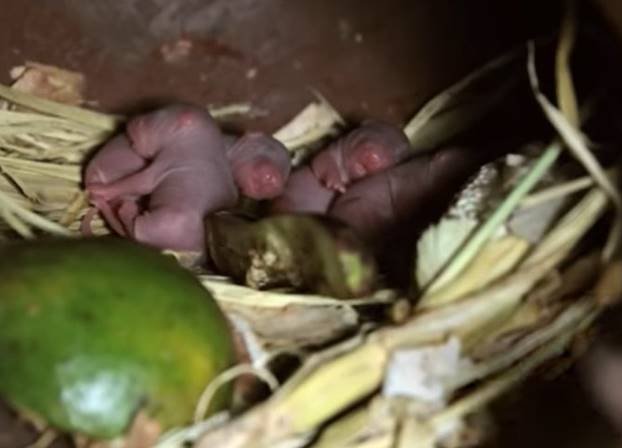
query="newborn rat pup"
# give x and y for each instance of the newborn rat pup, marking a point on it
(179, 158)
(389, 209)
(186, 176)
(371, 148)
(260, 165)
(375, 204)
(114, 160)
(368, 149)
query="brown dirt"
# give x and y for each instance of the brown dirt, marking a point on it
(378, 59)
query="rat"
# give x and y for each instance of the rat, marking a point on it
(260, 165)
(389, 209)
(186, 176)
(371, 148)
(113, 161)
(368, 149)
(376, 203)
(190, 170)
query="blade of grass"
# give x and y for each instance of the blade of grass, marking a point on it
(565, 189)
(80, 115)
(575, 142)
(566, 96)
(570, 228)
(6, 203)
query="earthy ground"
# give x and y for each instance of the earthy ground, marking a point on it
(369, 58)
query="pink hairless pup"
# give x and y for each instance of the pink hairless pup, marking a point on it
(373, 147)
(260, 165)
(370, 148)
(113, 162)
(186, 175)
(177, 158)
(390, 209)
(377, 205)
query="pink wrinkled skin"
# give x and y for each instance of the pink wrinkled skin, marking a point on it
(303, 194)
(186, 176)
(178, 159)
(373, 147)
(379, 203)
(260, 165)
(389, 209)
(115, 160)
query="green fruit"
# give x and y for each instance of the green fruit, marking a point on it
(94, 329)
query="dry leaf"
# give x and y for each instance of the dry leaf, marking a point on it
(50, 82)
(300, 326)
(496, 258)
(315, 122)
(576, 143)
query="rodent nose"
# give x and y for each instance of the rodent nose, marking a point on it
(268, 183)
(269, 178)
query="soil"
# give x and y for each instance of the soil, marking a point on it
(381, 59)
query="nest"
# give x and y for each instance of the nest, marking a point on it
(498, 294)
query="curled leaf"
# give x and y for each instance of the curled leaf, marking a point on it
(305, 252)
